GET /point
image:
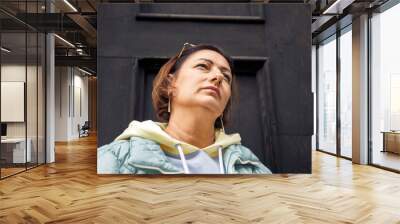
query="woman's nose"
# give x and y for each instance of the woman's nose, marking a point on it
(217, 77)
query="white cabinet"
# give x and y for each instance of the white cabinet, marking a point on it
(18, 149)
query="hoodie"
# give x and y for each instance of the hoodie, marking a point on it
(191, 158)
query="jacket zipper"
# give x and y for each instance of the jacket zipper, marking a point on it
(247, 161)
(158, 169)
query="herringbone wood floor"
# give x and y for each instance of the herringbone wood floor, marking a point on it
(70, 191)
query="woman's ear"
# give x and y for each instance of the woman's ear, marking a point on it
(171, 79)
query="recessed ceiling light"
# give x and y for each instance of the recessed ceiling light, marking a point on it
(337, 7)
(84, 71)
(70, 5)
(5, 50)
(65, 41)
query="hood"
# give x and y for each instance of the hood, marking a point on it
(156, 131)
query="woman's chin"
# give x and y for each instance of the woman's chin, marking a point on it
(211, 103)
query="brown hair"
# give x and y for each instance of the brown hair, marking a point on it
(162, 82)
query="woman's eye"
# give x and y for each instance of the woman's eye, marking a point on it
(227, 77)
(202, 66)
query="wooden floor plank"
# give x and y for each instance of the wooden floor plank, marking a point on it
(70, 191)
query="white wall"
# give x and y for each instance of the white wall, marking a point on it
(71, 93)
(16, 73)
(61, 103)
(79, 102)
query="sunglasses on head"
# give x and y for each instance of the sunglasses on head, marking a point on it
(185, 46)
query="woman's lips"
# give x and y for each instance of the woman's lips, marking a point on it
(213, 89)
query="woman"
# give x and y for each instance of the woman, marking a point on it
(192, 95)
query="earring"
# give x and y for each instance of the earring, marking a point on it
(222, 123)
(169, 106)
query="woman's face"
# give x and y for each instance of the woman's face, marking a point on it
(204, 80)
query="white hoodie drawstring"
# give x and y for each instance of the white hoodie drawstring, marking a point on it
(184, 164)
(221, 161)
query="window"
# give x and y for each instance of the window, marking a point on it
(335, 74)
(327, 95)
(346, 92)
(22, 78)
(313, 90)
(385, 88)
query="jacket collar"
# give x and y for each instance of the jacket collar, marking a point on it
(155, 131)
(149, 155)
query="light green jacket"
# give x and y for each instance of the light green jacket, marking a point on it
(143, 156)
(141, 148)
